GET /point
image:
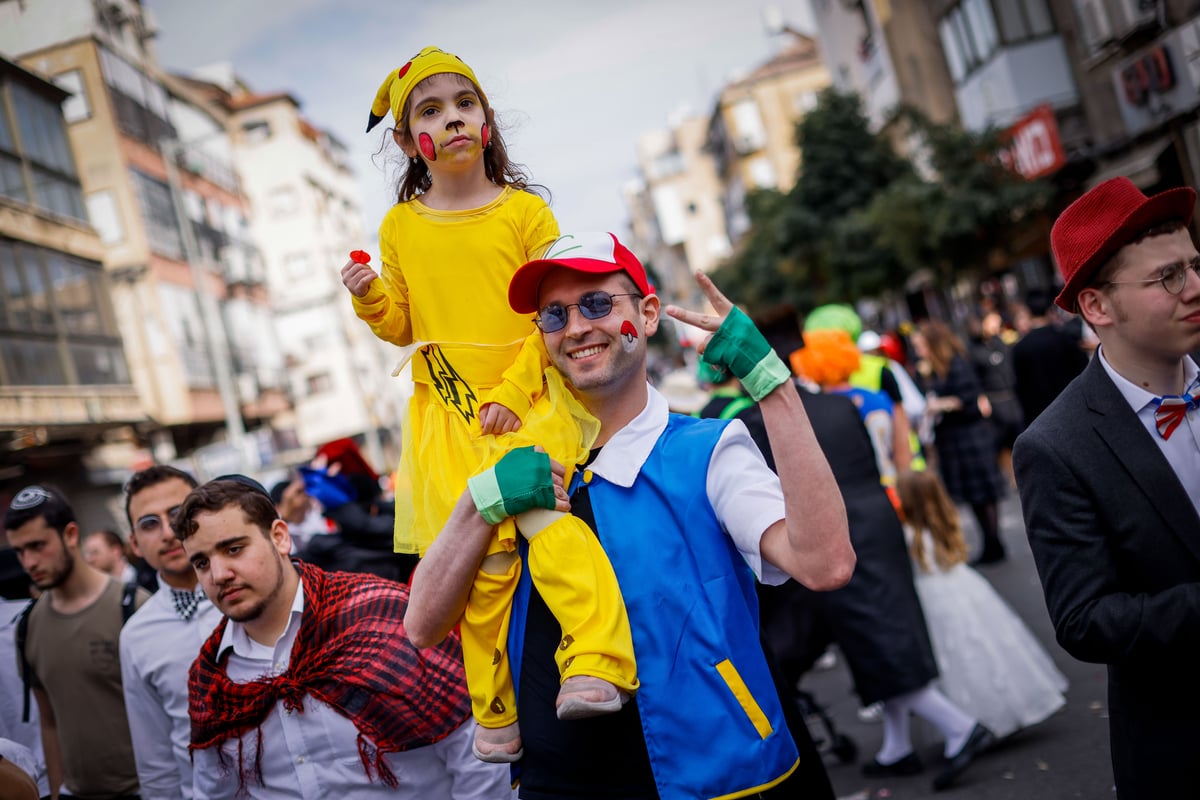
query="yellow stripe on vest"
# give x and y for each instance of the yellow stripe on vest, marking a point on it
(744, 698)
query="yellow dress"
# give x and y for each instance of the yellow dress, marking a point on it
(443, 286)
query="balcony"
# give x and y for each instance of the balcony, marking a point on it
(1016, 79)
(33, 406)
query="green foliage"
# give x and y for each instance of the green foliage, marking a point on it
(861, 219)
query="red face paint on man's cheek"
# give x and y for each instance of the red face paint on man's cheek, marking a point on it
(629, 336)
(425, 142)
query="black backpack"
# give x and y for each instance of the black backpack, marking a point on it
(128, 595)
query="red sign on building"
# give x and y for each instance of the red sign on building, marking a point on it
(1034, 147)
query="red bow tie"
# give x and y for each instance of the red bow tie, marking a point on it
(1172, 409)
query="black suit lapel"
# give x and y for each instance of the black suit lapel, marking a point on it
(1138, 454)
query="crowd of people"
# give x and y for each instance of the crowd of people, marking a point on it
(551, 606)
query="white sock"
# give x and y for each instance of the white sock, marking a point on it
(950, 720)
(897, 740)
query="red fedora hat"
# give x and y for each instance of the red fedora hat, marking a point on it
(1108, 217)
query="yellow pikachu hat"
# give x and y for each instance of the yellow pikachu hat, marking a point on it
(394, 91)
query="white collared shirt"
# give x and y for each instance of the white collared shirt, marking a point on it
(743, 491)
(1182, 450)
(157, 649)
(313, 755)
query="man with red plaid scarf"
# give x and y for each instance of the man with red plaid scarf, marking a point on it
(311, 688)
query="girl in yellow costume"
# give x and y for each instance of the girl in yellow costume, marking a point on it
(464, 223)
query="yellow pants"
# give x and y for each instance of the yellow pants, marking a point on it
(575, 578)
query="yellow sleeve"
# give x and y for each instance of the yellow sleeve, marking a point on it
(521, 383)
(385, 306)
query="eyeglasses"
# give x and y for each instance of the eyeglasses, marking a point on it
(152, 522)
(1173, 277)
(593, 305)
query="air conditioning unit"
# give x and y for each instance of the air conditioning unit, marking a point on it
(147, 25)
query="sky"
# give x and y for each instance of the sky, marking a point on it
(574, 82)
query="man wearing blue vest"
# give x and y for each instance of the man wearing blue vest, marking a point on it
(688, 514)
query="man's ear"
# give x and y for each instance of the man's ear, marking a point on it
(651, 313)
(1096, 307)
(70, 535)
(404, 142)
(133, 544)
(281, 537)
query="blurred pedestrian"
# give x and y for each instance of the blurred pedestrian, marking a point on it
(25, 730)
(108, 552)
(991, 356)
(1109, 477)
(965, 447)
(991, 666)
(160, 641)
(69, 652)
(310, 687)
(1045, 359)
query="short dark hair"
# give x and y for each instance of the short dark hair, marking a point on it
(39, 500)
(279, 488)
(1105, 272)
(152, 476)
(219, 494)
(111, 537)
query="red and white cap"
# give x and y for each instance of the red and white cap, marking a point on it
(594, 253)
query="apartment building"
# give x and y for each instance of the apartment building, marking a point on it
(688, 205)
(160, 188)
(66, 396)
(298, 178)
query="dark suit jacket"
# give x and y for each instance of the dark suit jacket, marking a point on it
(1117, 545)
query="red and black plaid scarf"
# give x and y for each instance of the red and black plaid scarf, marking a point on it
(352, 653)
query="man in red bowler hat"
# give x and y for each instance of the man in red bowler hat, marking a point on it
(1109, 477)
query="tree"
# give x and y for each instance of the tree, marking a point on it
(861, 219)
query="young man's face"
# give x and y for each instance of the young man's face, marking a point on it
(599, 355)
(295, 503)
(1144, 319)
(102, 555)
(239, 566)
(45, 554)
(150, 513)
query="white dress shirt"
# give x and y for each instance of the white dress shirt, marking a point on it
(743, 491)
(158, 647)
(1182, 450)
(12, 695)
(313, 754)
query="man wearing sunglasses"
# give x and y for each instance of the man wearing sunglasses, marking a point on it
(689, 515)
(69, 651)
(1109, 476)
(163, 638)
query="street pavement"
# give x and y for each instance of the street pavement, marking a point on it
(1066, 756)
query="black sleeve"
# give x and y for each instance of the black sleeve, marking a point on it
(890, 386)
(362, 529)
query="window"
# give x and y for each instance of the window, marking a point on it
(76, 107)
(158, 214)
(51, 165)
(749, 133)
(1023, 19)
(32, 362)
(76, 288)
(282, 202)
(969, 36)
(99, 364)
(297, 265)
(258, 130)
(762, 173)
(320, 383)
(30, 292)
(139, 102)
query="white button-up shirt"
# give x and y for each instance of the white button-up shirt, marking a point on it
(313, 755)
(1182, 450)
(157, 648)
(743, 491)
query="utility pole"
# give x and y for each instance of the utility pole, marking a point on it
(214, 329)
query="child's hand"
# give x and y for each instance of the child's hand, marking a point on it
(357, 275)
(495, 418)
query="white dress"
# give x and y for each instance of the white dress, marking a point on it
(991, 665)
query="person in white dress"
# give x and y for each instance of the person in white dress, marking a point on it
(991, 665)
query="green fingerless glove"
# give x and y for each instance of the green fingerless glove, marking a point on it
(519, 482)
(739, 347)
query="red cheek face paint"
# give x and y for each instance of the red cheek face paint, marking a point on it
(425, 142)
(485, 136)
(629, 336)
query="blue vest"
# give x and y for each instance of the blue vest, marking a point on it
(711, 717)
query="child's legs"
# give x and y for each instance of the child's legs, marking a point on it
(575, 578)
(484, 632)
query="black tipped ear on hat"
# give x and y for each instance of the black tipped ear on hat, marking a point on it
(374, 120)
